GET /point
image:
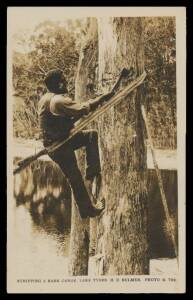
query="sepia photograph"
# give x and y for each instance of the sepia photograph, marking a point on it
(96, 149)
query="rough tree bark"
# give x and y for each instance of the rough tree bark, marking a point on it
(79, 241)
(122, 246)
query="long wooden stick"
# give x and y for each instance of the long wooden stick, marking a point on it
(83, 123)
(90, 118)
(160, 182)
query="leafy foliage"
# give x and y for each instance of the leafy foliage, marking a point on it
(53, 45)
(160, 64)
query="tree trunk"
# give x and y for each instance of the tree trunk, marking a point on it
(79, 240)
(122, 246)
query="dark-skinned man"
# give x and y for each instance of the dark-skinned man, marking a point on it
(57, 115)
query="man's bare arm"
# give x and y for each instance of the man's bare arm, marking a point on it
(64, 106)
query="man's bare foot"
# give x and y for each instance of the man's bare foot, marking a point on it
(97, 209)
(93, 210)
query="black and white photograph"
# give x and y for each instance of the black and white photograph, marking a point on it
(96, 149)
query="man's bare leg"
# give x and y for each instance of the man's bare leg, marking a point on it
(93, 186)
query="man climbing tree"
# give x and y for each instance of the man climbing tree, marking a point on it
(58, 114)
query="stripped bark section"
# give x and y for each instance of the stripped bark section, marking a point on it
(122, 246)
(79, 241)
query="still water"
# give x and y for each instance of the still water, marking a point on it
(41, 250)
(41, 212)
(40, 230)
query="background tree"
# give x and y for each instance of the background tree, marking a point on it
(50, 46)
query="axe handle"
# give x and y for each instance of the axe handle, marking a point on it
(116, 85)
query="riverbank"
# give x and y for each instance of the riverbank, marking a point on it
(166, 159)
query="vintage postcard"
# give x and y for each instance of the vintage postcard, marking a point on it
(96, 114)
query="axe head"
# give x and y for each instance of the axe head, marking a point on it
(127, 72)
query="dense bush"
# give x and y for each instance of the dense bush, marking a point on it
(160, 64)
(51, 46)
(56, 46)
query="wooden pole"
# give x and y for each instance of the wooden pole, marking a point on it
(85, 121)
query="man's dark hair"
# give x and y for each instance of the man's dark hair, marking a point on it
(52, 78)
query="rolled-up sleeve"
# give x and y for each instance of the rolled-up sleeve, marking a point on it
(65, 106)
